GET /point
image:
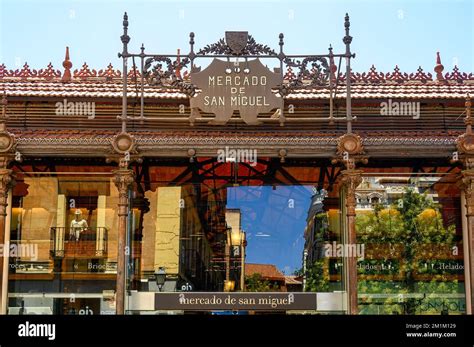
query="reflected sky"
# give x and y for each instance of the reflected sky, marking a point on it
(274, 219)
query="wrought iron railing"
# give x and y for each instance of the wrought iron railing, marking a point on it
(88, 243)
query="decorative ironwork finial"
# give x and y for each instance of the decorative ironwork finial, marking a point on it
(125, 38)
(347, 24)
(347, 41)
(67, 67)
(191, 47)
(125, 20)
(124, 55)
(468, 119)
(439, 68)
(332, 65)
(177, 70)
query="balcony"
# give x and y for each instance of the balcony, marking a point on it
(92, 243)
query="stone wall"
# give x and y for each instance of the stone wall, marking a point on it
(168, 225)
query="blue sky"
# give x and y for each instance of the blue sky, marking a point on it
(274, 220)
(386, 33)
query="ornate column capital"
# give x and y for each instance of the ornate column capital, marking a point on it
(8, 141)
(465, 142)
(7, 180)
(351, 179)
(123, 179)
(466, 183)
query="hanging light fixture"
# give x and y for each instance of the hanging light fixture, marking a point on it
(160, 277)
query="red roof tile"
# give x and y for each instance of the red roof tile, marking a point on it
(107, 83)
(293, 280)
(268, 271)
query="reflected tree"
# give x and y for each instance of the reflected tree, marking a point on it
(256, 283)
(408, 238)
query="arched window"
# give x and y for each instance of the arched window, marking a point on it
(374, 200)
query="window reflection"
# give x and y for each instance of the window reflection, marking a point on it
(71, 220)
(412, 233)
(219, 237)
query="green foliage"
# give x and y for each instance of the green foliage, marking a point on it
(423, 220)
(435, 287)
(380, 226)
(370, 305)
(415, 222)
(255, 283)
(298, 272)
(414, 219)
(317, 277)
(321, 230)
(378, 266)
(317, 274)
(375, 287)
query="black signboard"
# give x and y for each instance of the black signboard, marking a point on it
(205, 301)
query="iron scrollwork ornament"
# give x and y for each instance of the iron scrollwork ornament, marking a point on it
(161, 71)
(237, 43)
(313, 72)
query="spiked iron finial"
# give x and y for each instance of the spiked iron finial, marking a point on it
(125, 20)
(347, 24)
(178, 65)
(281, 43)
(125, 38)
(332, 65)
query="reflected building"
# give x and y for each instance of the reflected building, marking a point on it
(388, 190)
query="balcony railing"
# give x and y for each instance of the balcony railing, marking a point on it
(90, 243)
